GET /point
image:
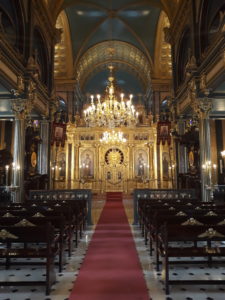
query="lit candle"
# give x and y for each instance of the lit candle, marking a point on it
(7, 175)
(13, 172)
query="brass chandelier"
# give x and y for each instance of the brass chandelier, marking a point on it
(113, 137)
(111, 112)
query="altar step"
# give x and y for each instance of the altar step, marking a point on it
(114, 196)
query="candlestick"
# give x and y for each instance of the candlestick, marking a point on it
(13, 173)
(7, 175)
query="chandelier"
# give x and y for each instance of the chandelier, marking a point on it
(111, 112)
(113, 137)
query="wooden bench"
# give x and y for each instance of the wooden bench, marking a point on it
(177, 220)
(207, 235)
(12, 236)
(161, 194)
(26, 211)
(61, 235)
(73, 195)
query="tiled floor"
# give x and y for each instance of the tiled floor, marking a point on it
(66, 279)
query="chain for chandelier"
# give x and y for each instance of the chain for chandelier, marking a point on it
(111, 112)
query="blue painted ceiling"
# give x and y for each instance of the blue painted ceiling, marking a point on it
(92, 22)
(126, 83)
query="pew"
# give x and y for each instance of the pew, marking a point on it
(73, 195)
(12, 236)
(210, 247)
(161, 194)
(60, 230)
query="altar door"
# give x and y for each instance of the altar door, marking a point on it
(115, 178)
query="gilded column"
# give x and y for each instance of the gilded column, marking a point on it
(97, 177)
(151, 161)
(131, 161)
(77, 147)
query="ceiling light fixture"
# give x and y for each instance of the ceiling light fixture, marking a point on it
(111, 112)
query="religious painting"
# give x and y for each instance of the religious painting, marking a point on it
(62, 165)
(165, 165)
(58, 135)
(163, 132)
(141, 163)
(87, 164)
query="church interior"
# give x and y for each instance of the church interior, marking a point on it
(112, 149)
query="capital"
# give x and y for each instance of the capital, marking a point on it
(202, 107)
(19, 108)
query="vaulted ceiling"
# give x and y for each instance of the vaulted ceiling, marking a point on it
(122, 32)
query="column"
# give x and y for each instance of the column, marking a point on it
(77, 146)
(204, 106)
(131, 162)
(151, 161)
(181, 149)
(17, 180)
(43, 157)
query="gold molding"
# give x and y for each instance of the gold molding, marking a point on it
(162, 56)
(63, 64)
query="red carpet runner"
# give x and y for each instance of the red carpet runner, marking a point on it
(111, 269)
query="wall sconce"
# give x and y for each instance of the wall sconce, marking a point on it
(223, 153)
(221, 161)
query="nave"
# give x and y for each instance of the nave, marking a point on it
(66, 280)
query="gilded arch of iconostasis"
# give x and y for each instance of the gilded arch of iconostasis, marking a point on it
(120, 37)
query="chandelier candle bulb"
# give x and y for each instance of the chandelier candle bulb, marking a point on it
(111, 112)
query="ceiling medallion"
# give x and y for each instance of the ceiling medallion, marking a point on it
(111, 112)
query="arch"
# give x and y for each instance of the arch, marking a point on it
(113, 52)
(40, 55)
(12, 23)
(183, 55)
(63, 63)
(162, 56)
(211, 18)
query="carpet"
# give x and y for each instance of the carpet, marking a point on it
(111, 269)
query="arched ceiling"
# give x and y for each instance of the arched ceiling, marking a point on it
(121, 54)
(122, 32)
(126, 20)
